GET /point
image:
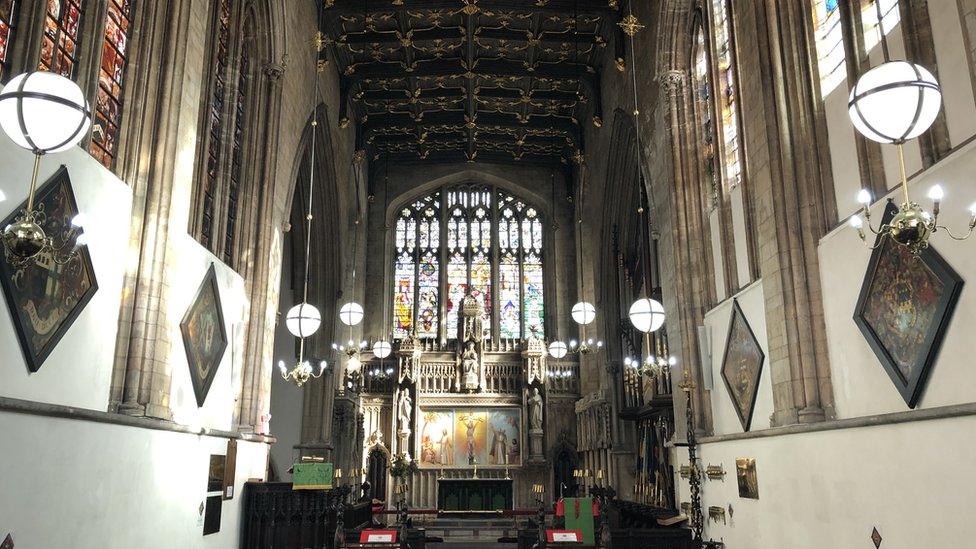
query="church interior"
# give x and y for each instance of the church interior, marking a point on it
(322, 274)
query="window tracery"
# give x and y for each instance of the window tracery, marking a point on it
(491, 243)
(111, 74)
(215, 122)
(831, 54)
(8, 14)
(59, 45)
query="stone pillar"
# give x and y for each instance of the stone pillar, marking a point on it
(141, 379)
(692, 279)
(794, 203)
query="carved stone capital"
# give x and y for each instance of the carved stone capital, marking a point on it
(673, 82)
(274, 71)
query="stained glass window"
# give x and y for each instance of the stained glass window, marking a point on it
(532, 294)
(215, 122)
(703, 100)
(486, 232)
(237, 154)
(729, 100)
(108, 106)
(8, 13)
(830, 45)
(416, 272)
(59, 45)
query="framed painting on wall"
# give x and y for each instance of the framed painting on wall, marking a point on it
(742, 365)
(904, 309)
(44, 297)
(204, 336)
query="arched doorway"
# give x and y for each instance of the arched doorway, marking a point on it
(565, 483)
(377, 466)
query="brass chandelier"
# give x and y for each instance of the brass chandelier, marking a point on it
(891, 104)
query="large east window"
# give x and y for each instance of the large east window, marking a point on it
(468, 239)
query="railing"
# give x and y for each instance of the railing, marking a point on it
(436, 377)
(501, 377)
(563, 377)
(275, 516)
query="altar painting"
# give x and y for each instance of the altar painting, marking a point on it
(468, 438)
(471, 433)
(437, 438)
(504, 446)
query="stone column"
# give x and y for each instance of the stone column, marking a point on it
(141, 378)
(691, 279)
(794, 203)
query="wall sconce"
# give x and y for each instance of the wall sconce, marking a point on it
(715, 472)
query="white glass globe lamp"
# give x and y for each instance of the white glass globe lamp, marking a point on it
(583, 313)
(647, 315)
(351, 313)
(303, 320)
(382, 349)
(558, 349)
(894, 102)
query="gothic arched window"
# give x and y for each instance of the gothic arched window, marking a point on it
(491, 240)
(831, 56)
(8, 16)
(59, 46)
(111, 72)
(729, 99)
(221, 217)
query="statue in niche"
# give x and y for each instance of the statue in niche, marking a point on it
(405, 410)
(470, 345)
(535, 410)
(469, 366)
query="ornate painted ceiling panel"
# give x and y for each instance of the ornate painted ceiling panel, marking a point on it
(455, 80)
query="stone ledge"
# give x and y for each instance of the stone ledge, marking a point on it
(31, 407)
(925, 414)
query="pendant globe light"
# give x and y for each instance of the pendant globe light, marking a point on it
(647, 315)
(303, 320)
(892, 103)
(42, 112)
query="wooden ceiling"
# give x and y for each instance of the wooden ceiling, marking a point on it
(469, 80)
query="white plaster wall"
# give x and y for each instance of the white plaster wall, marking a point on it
(725, 419)
(79, 370)
(740, 236)
(188, 263)
(101, 486)
(861, 387)
(843, 152)
(829, 489)
(716, 233)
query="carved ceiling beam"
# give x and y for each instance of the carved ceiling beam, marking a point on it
(482, 67)
(448, 33)
(459, 155)
(449, 118)
(585, 74)
(609, 8)
(484, 136)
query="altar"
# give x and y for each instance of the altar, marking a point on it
(471, 494)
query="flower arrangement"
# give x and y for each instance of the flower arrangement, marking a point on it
(402, 466)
